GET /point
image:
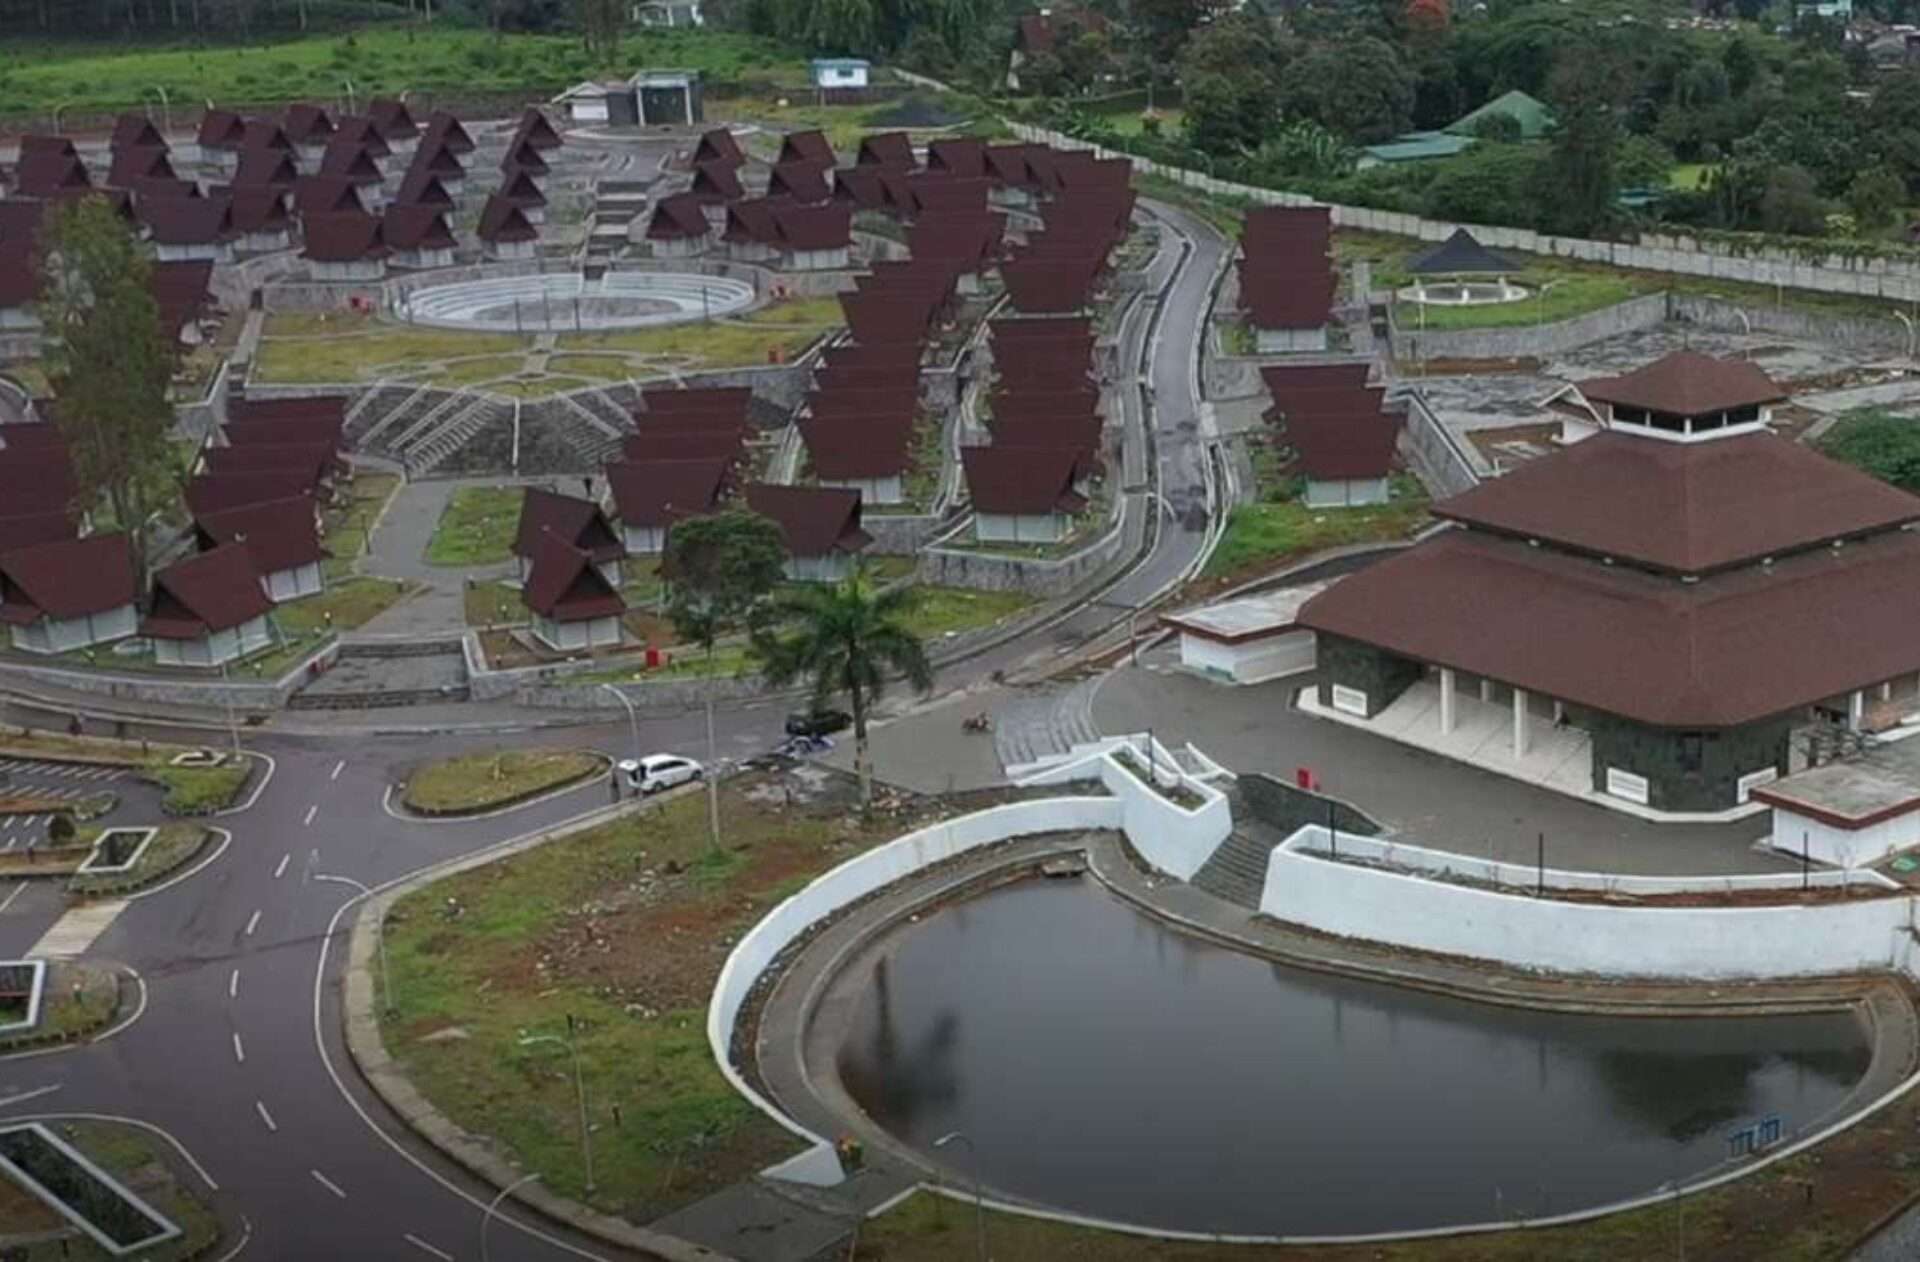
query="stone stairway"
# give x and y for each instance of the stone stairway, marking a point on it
(1237, 870)
(377, 407)
(416, 404)
(1044, 722)
(445, 406)
(594, 437)
(432, 450)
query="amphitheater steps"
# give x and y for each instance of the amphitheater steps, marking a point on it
(432, 452)
(417, 400)
(439, 414)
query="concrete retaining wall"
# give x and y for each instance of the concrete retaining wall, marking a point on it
(1415, 913)
(1530, 340)
(1175, 839)
(1884, 336)
(266, 695)
(1051, 576)
(1430, 449)
(901, 535)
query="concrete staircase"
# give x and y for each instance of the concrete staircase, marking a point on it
(1045, 723)
(417, 401)
(580, 427)
(445, 406)
(1237, 870)
(431, 450)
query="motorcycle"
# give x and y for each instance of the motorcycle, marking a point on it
(977, 723)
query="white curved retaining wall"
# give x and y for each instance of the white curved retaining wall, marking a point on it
(1412, 912)
(1525, 877)
(1171, 837)
(848, 883)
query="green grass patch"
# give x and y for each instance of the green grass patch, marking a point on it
(352, 603)
(473, 372)
(349, 527)
(280, 324)
(379, 61)
(817, 313)
(943, 611)
(1554, 295)
(198, 790)
(1688, 175)
(476, 782)
(384, 349)
(172, 848)
(493, 605)
(1263, 534)
(477, 527)
(771, 334)
(623, 928)
(592, 367)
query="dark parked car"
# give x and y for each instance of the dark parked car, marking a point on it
(817, 722)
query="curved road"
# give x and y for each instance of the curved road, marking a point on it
(238, 1053)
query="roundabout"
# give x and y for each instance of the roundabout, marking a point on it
(569, 301)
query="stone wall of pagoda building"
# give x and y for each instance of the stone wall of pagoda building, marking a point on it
(1684, 770)
(1348, 667)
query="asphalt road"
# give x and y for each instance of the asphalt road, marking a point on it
(237, 1052)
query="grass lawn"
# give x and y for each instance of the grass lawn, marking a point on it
(472, 372)
(36, 76)
(78, 997)
(594, 367)
(819, 313)
(729, 661)
(198, 790)
(1689, 175)
(146, 1166)
(353, 602)
(1133, 122)
(493, 605)
(943, 611)
(474, 782)
(772, 333)
(348, 527)
(623, 927)
(24, 743)
(477, 527)
(1262, 534)
(1554, 295)
(172, 847)
(382, 349)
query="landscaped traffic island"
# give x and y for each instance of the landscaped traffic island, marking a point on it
(127, 1190)
(497, 778)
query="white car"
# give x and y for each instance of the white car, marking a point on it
(659, 771)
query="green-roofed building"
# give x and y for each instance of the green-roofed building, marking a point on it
(1414, 146)
(1535, 119)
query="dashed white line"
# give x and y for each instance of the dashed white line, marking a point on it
(337, 769)
(233, 984)
(282, 869)
(253, 922)
(328, 1184)
(311, 810)
(265, 1116)
(424, 1247)
(239, 1052)
(17, 891)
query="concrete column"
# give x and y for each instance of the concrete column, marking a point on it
(1559, 712)
(1857, 708)
(1486, 690)
(1519, 722)
(1886, 691)
(1446, 701)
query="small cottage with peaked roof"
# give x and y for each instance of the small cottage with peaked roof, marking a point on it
(650, 495)
(139, 162)
(209, 609)
(807, 146)
(535, 130)
(444, 129)
(518, 187)
(347, 161)
(282, 538)
(576, 522)
(262, 220)
(436, 158)
(1022, 494)
(505, 233)
(222, 135)
(189, 228)
(326, 195)
(345, 246)
(309, 128)
(523, 155)
(259, 165)
(574, 607)
(820, 525)
(678, 227)
(395, 123)
(421, 187)
(418, 236)
(70, 594)
(886, 149)
(718, 145)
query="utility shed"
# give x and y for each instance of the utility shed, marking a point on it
(1850, 813)
(1248, 640)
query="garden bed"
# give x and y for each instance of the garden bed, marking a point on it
(80, 1190)
(170, 848)
(477, 526)
(79, 1001)
(473, 783)
(1177, 793)
(142, 1165)
(199, 790)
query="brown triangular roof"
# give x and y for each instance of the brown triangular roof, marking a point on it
(217, 492)
(136, 131)
(393, 119)
(260, 208)
(518, 187)
(205, 593)
(578, 522)
(815, 520)
(435, 157)
(1687, 383)
(503, 222)
(265, 133)
(718, 145)
(536, 130)
(307, 124)
(271, 167)
(221, 129)
(655, 493)
(804, 182)
(807, 146)
(70, 578)
(145, 162)
(349, 161)
(1022, 481)
(564, 584)
(342, 237)
(886, 149)
(677, 216)
(717, 182)
(359, 131)
(422, 187)
(523, 155)
(326, 195)
(187, 220)
(416, 228)
(278, 534)
(443, 129)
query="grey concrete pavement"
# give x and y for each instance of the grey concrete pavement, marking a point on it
(1432, 800)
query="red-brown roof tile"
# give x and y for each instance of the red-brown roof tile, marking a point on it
(816, 521)
(718, 145)
(807, 146)
(342, 237)
(278, 534)
(577, 522)
(1021, 482)
(677, 217)
(502, 221)
(70, 578)
(656, 493)
(205, 593)
(886, 149)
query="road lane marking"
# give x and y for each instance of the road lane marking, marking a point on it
(75, 931)
(310, 813)
(266, 1116)
(9, 1101)
(328, 1184)
(282, 869)
(239, 1052)
(253, 922)
(424, 1247)
(17, 890)
(233, 984)
(28, 821)
(337, 769)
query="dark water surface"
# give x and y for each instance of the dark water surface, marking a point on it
(1102, 1063)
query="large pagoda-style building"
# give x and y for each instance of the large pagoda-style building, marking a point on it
(1682, 586)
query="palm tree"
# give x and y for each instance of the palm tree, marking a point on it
(848, 638)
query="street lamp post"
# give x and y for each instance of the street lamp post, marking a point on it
(379, 936)
(493, 1207)
(233, 723)
(979, 1200)
(633, 717)
(166, 107)
(572, 1043)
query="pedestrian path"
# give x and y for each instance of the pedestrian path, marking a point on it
(1044, 722)
(74, 932)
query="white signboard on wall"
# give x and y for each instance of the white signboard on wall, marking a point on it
(1624, 784)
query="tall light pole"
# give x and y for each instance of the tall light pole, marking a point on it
(166, 107)
(348, 83)
(572, 1043)
(233, 723)
(633, 717)
(379, 937)
(493, 1207)
(713, 775)
(979, 1201)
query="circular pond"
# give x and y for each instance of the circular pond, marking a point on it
(568, 301)
(1104, 1064)
(1471, 293)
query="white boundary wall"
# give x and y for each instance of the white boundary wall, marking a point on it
(1414, 913)
(1171, 837)
(850, 882)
